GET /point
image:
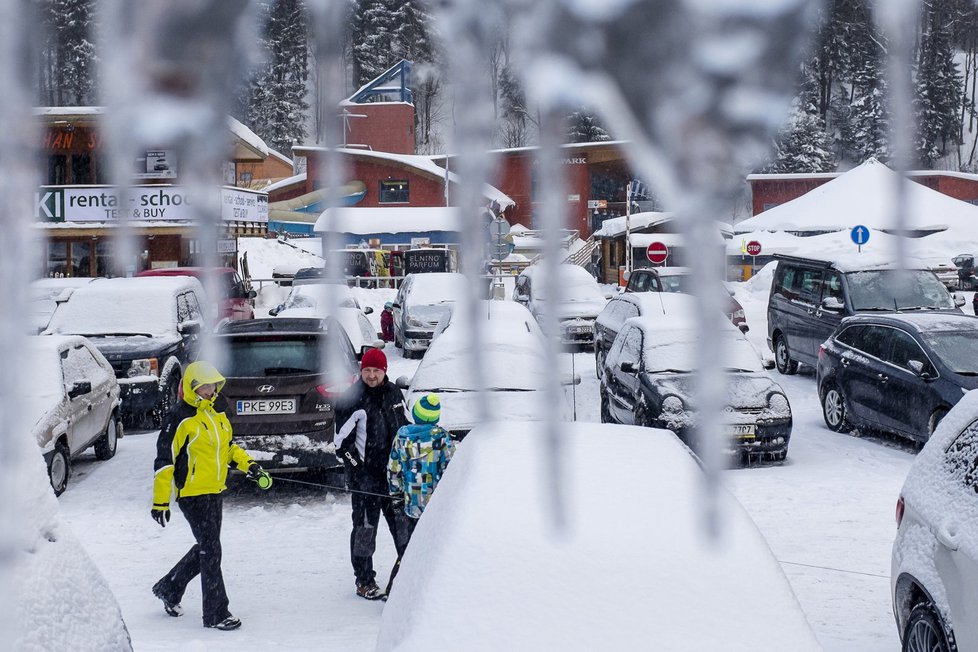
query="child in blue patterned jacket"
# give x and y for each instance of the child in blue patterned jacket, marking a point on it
(419, 455)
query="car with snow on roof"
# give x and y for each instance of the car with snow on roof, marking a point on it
(811, 295)
(934, 562)
(581, 300)
(72, 405)
(147, 328)
(650, 377)
(576, 563)
(421, 302)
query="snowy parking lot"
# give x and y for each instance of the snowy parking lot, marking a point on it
(827, 514)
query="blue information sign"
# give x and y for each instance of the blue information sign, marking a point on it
(859, 234)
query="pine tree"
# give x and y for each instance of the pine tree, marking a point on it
(68, 61)
(803, 145)
(584, 128)
(277, 106)
(938, 88)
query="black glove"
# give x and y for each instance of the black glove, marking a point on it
(397, 502)
(161, 515)
(260, 476)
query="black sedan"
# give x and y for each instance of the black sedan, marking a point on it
(899, 373)
(649, 377)
(283, 376)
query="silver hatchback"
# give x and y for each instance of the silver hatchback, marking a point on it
(934, 573)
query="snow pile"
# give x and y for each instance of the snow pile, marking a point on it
(487, 539)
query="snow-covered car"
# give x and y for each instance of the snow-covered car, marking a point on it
(514, 366)
(680, 279)
(421, 302)
(309, 301)
(73, 403)
(650, 379)
(581, 300)
(147, 328)
(934, 565)
(45, 294)
(317, 296)
(623, 307)
(609, 578)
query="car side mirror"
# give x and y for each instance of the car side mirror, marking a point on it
(958, 300)
(396, 305)
(832, 304)
(571, 380)
(78, 389)
(274, 311)
(918, 368)
(403, 382)
(368, 310)
(252, 294)
(190, 327)
(628, 367)
(626, 276)
(743, 328)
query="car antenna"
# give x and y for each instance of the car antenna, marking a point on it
(661, 305)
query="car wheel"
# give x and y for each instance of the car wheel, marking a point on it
(924, 631)
(605, 408)
(642, 416)
(598, 361)
(782, 359)
(167, 400)
(935, 420)
(397, 343)
(834, 409)
(106, 446)
(59, 468)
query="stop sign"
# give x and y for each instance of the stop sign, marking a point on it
(657, 253)
(754, 248)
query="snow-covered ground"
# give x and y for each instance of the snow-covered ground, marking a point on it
(827, 514)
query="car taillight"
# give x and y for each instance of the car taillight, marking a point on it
(334, 389)
(900, 507)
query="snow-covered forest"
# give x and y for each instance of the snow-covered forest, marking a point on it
(839, 118)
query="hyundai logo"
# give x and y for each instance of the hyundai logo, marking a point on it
(265, 389)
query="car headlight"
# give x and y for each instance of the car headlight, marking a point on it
(672, 405)
(777, 407)
(144, 367)
(414, 322)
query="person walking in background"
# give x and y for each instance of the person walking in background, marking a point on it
(974, 303)
(193, 453)
(371, 412)
(387, 322)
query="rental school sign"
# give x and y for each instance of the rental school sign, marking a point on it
(144, 203)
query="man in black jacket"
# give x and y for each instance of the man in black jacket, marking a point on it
(370, 412)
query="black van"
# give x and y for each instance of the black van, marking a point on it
(810, 297)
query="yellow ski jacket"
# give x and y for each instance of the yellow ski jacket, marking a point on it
(195, 448)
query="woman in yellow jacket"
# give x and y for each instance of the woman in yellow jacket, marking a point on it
(193, 453)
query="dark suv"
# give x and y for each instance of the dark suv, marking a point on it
(147, 328)
(899, 373)
(283, 376)
(810, 297)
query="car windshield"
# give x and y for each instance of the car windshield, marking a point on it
(676, 283)
(116, 313)
(272, 356)
(958, 350)
(314, 296)
(678, 352)
(892, 289)
(575, 285)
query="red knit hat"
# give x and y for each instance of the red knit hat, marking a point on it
(374, 358)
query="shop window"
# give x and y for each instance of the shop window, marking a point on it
(103, 258)
(57, 259)
(394, 192)
(81, 258)
(58, 170)
(81, 169)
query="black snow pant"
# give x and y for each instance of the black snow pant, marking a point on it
(363, 539)
(204, 515)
